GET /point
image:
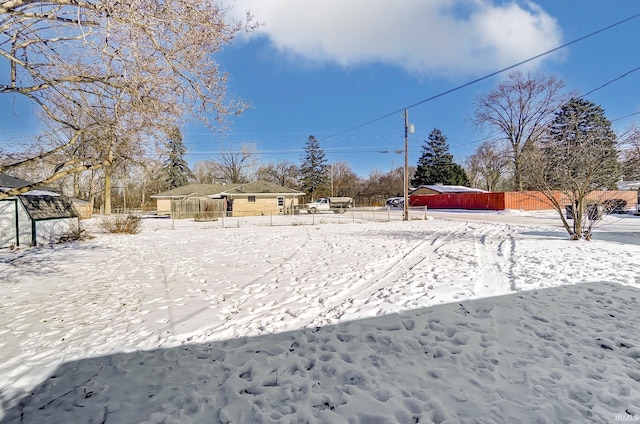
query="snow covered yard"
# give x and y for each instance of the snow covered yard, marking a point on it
(357, 322)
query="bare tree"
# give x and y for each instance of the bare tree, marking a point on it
(489, 165)
(577, 155)
(342, 179)
(205, 172)
(232, 166)
(283, 173)
(518, 111)
(378, 186)
(88, 65)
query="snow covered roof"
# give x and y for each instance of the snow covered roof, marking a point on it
(451, 189)
(629, 185)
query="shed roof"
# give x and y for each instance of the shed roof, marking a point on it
(45, 205)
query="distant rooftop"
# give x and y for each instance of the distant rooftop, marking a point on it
(7, 181)
(202, 189)
(451, 188)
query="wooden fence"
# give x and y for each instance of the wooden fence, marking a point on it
(199, 208)
(473, 201)
(535, 200)
(526, 200)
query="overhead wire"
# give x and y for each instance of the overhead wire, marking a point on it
(492, 74)
(395, 112)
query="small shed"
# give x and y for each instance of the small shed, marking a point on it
(34, 218)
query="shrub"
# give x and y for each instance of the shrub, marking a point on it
(121, 224)
(77, 233)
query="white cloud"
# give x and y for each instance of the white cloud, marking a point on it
(425, 37)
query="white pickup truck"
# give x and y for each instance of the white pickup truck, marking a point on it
(330, 204)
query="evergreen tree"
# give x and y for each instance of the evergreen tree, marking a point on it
(175, 168)
(457, 176)
(581, 148)
(577, 156)
(436, 164)
(313, 170)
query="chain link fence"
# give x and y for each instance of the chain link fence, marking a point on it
(351, 216)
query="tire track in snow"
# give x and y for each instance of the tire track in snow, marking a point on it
(374, 289)
(494, 249)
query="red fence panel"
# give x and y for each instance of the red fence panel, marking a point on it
(473, 201)
(528, 200)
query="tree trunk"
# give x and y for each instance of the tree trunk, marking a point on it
(107, 191)
(517, 173)
(107, 183)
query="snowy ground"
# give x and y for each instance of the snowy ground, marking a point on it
(476, 317)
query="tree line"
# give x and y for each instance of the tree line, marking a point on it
(113, 83)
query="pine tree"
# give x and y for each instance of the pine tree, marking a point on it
(436, 164)
(175, 168)
(581, 148)
(313, 170)
(457, 176)
(577, 156)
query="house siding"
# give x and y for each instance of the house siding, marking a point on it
(267, 205)
(163, 206)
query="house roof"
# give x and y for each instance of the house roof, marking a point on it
(203, 189)
(7, 181)
(451, 189)
(255, 187)
(261, 187)
(42, 205)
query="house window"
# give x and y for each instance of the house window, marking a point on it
(280, 201)
(251, 199)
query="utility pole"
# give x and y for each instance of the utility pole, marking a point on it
(408, 129)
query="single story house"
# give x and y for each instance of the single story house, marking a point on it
(248, 199)
(262, 198)
(34, 218)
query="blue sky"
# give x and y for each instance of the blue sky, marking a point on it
(323, 67)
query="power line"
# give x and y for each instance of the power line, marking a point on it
(611, 81)
(625, 117)
(395, 112)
